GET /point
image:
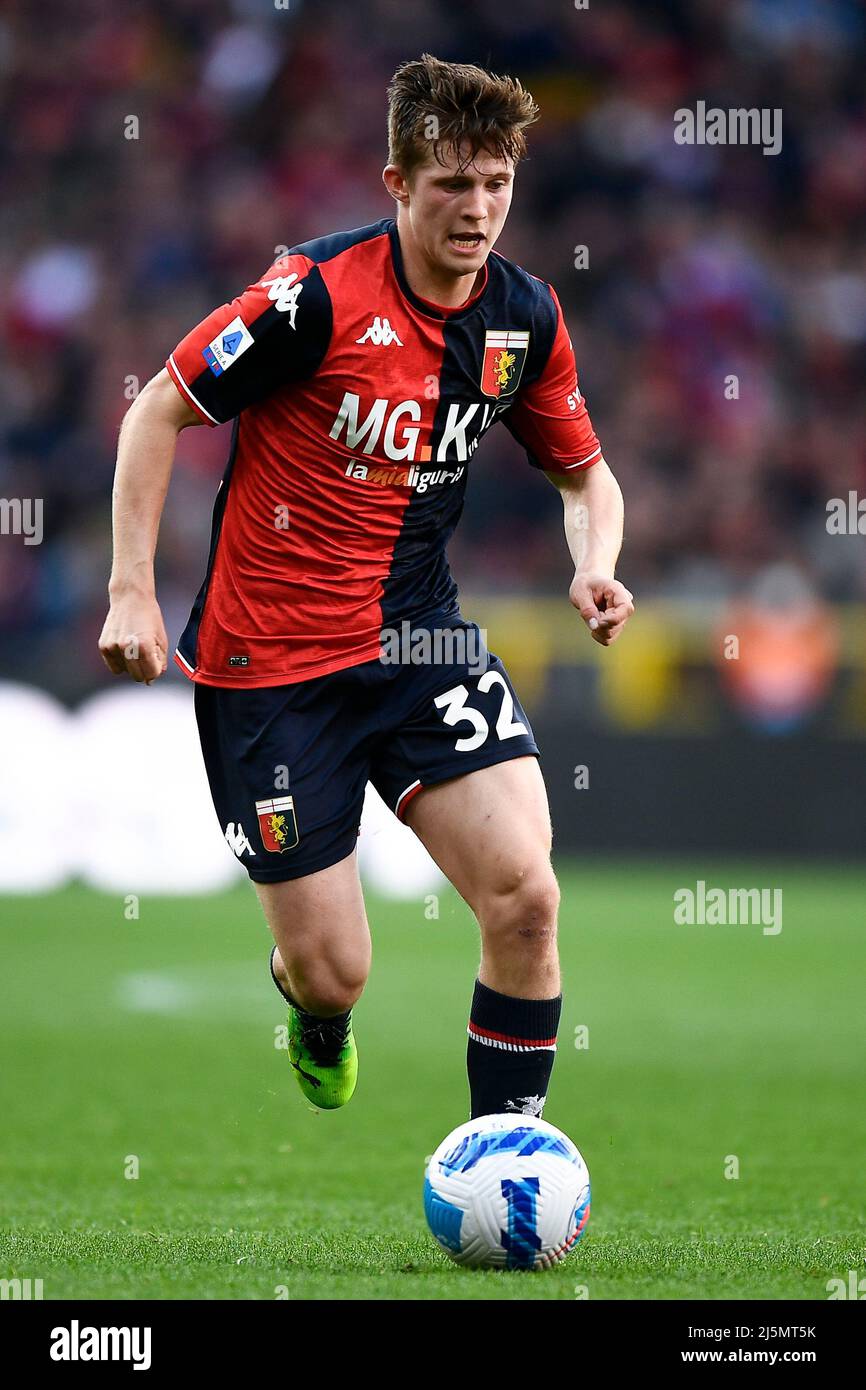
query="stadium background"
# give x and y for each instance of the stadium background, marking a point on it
(258, 127)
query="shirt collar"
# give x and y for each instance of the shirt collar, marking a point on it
(426, 306)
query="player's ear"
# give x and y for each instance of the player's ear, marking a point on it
(396, 184)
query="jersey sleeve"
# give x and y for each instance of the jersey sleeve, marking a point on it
(276, 332)
(549, 417)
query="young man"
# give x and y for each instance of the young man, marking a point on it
(361, 371)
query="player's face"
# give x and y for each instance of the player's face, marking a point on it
(456, 216)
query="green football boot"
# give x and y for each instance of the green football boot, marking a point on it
(324, 1058)
(322, 1052)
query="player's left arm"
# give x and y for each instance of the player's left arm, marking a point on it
(593, 507)
(550, 419)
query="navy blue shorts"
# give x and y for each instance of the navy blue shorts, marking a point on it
(288, 764)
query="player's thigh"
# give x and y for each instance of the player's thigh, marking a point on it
(319, 923)
(287, 768)
(460, 766)
(489, 831)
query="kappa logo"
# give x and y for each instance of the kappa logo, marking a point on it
(237, 841)
(285, 291)
(381, 333)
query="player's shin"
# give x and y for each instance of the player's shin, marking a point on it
(512, 1044)
(322, 1051)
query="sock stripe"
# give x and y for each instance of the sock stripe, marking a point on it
(508, 1042)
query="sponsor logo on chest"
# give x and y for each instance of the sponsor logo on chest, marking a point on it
(395, 430)
(417, 478)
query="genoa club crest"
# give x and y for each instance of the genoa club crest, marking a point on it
(278, 825)
(504, 355)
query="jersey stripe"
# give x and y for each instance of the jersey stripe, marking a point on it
(179, 382)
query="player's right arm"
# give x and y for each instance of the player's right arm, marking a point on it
(133, 638)
(276, 332)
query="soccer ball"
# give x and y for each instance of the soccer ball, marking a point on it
(507, 1192)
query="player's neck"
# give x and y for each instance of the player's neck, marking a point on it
(431, 282)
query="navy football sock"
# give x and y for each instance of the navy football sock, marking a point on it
(509, 1058)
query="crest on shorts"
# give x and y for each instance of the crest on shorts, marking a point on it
(504, 355)
(278, 825)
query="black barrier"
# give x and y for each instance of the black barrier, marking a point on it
(735, 793)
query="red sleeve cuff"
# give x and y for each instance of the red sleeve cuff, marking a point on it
(562, 470)
(580, 464)
(174, 372)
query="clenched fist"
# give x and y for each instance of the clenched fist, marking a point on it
(604, 604)
(133, 640)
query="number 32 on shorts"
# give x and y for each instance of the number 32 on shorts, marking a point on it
(453, 702)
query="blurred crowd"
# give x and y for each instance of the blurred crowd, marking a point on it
(153, 156)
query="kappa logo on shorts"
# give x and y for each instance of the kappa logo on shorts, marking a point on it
(237, 841)
(278, 824)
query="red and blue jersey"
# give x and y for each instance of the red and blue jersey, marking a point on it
(357, 408)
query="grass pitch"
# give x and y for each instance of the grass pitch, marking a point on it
(149, 1046)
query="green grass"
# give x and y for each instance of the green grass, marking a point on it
(155, 1038)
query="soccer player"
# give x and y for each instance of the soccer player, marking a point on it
(361, 371)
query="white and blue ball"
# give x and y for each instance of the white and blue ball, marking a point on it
(507, 1192)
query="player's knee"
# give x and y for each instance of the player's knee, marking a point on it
(330, 989)
(522, 903)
